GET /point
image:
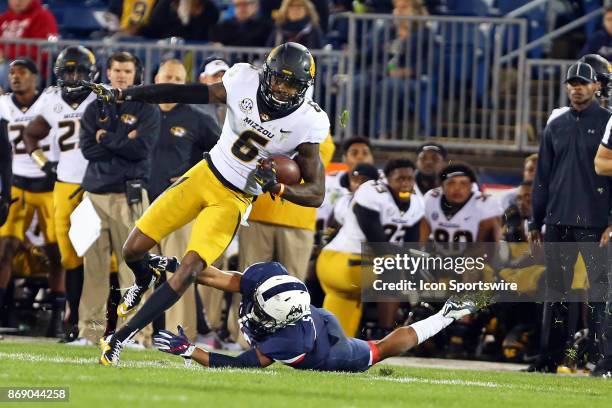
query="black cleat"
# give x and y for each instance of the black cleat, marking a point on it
(111, 350)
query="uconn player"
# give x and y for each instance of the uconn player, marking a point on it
(267, 114)
(280, 324)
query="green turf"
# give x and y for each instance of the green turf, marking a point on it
(153, 379)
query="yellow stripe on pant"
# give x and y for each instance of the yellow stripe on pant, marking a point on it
(340, 277)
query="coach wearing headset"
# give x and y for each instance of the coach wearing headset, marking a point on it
(118, 144)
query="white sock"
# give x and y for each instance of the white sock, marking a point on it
(431, 326)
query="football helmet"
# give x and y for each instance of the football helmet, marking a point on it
(277, 302)
(288, 71)
(603, 71)
(74, 64)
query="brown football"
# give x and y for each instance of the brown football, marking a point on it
(287, 170)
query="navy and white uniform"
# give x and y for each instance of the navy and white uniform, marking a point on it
(316, 342)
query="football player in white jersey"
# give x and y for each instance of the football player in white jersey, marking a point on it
(456, 213)
(267, 114)
(381, 212)
(362, 173)
(60, 116)
(32, 186)
(355, 150)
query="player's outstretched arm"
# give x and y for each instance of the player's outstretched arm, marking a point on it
(228, 281)
(174, 93)
(179, 345)
(603, 161)
(312, 191)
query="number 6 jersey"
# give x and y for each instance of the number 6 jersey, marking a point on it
(64, 119)
(249, 135)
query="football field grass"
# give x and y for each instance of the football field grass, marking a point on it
(153, 379)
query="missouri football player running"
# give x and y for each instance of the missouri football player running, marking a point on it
(268, 114)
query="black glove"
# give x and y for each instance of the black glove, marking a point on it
(50, 169)
(5, 203)
(265, 175)
(107, 95)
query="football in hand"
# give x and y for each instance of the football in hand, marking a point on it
(287, 170)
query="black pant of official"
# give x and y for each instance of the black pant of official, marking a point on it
(563, 243)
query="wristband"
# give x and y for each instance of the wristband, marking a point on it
(189, 351)
(282, 190)
(39, 157)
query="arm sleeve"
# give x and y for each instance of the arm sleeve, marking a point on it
(539, 199)
(141, 146)
(92, 150)
(6, 170)
(248, 359)
(168, 93)
(369, 222)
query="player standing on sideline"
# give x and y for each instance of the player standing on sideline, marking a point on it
(281, 325)
(60, 116)
(381, 212)
(267, 114)
(32, 186)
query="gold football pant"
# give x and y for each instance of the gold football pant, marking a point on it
(198, 195)
(340, 276)
(22, 211)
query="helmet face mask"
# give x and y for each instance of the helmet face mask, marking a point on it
(288, 72)
(72, 75)
(75, 64)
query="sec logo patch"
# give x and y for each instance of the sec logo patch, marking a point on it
(246, 105)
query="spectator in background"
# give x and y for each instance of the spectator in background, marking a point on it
(246, 28)
(297, 21)
(404, 51)
(133, 14)
(431, 158)
(390, 71)
(188, 19)
(23, 19)
(212, 72)
(270, 7)
(601, 42)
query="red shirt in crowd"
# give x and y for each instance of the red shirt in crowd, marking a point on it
(34, 22)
